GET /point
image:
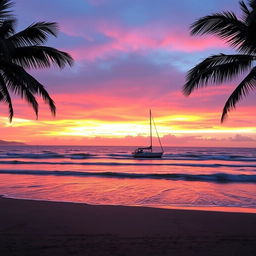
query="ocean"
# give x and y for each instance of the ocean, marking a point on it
(186, 177)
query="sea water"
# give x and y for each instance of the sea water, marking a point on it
(190, 178)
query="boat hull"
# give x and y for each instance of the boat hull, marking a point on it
(147, 154)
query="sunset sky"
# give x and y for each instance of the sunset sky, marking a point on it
(129, 56)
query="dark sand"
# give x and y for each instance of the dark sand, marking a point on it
(49, 228)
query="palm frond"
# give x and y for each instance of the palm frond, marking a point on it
(38, 89)
(7, 28)
(245, 10)
(225, 25)
(23, 84)
(250, 21)
(25, 50)
(40, 57)
(5, 96)
(242, 90)
(29, 97)
(24, 92)
(21, 90)
(37, 33)
(248, 45)
(252, 3)
(216, 69)
(4, 12)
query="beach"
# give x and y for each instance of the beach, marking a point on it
(30, 227)
(97, 201)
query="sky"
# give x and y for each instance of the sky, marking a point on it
(130, 56)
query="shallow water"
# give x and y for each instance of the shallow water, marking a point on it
(184, 177)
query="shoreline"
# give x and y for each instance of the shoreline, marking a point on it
(184, 208)
(31, 227)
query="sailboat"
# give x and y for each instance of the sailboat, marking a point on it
(147, 152)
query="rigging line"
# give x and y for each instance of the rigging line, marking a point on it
(157, 134)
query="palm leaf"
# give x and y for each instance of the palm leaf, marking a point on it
(226, 26)
(5, 96)
(249, 45)
(241, 35)
(29, 97)
(216, 69)
(23, 84)
(242, 90)
(4, 12)
(20, 88)
(37, 33)
(7, 28)
(245, 10)
(24, 50)
(40, 57)
(252, 3)
(251, 16)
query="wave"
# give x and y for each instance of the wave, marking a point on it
(217, 177)
(119, 155)
(194, 156)
(205, 157)
(20, 162)
(46, 155)
(79, 156)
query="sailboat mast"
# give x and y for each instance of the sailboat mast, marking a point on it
(150, 129)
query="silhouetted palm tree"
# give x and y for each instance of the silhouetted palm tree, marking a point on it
(22, 50)
(241, 35)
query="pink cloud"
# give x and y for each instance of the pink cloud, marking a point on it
(187, 43)
(138, 39)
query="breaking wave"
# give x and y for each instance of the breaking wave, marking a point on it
(140, 163)
(124, 155)
(216, 177)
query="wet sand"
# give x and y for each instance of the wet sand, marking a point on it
(50, 228)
